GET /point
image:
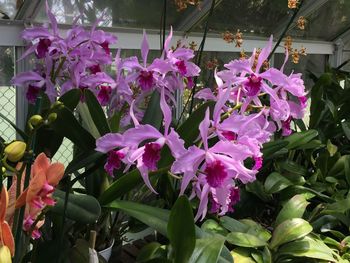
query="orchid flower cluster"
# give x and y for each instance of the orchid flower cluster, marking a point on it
(252, 102)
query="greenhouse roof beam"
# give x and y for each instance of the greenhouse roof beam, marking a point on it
(196, 16)
(28, 10)
(307, 9)
(131, 39)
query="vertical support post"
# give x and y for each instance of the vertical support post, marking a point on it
(21, 102)
(337, 58)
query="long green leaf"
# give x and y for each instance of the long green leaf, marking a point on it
(153, 114)
(275, 182)
(290, 230)
(307, 247)
(154, 217)
(299, 139)
(294, 208)
(97, 114)
(67, 125)
(124, 184)
(245, 240)
(81, 208)
(181, 230)
(71, 98)
(207, 250)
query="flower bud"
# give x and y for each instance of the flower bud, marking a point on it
(3, 170)
(52, 117)
(58, 104)
(5, 255)
(35, 120)
(15, 151)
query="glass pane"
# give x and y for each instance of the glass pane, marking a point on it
(121, 13)
(252, 17)
(327, 22)
(8, 9)
(7, 93)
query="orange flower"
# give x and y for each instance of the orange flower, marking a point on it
(44, 178)
(6, 238)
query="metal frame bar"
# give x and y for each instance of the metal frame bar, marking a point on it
(307, 9)
(131, 39)
(28, 10)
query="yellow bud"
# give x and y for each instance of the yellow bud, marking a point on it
(15, 151)
(3, 170)
(52, 117)
(5, 255)
(35, 120)
(58, 104)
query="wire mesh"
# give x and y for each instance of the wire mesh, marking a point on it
(7, 93)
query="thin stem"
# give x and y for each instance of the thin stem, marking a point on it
(285, 30)
(164, 24)
(200, 52)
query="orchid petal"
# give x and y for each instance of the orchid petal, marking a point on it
(167, 42)
(144, 48)
(166, 112)
(204, 127)
(52, 19)
(134, 136)
(144, 174)
(108, 142)
(265, 52)
(54, 173)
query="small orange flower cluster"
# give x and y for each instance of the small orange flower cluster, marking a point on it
(242, 55)
(301, 23)
(183, 4)
(295, 53)
(236, 38)
(292, 4)
(212, 64)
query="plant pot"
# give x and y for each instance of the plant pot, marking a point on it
(107, 252)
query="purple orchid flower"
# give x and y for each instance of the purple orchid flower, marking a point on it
(216, 166)
(147, 155)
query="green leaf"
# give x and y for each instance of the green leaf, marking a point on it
(150, 251)
(83, 160)
(307, 247)
(346, 128)
(66, 125)
(86, 120)
(275, 182)
(298, 139)
(153, 114)
(207, 250)
(81, 208)
(271, 148)
(18, 130)
(295, 169)
(233, 225)
(256, 229)
(294, 208)
(97, 114)
(181, 230)
(242, 255)
(126, 183)
(213, 227)
(71, 98)
(258, 189)
(154, 217)
(332, 149)
(340, 206)
(114, 121)
(290, 230)
(245, 240)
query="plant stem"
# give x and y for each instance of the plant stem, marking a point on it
(27, 163)
(200, 52)
(285, 30)
(198, 61)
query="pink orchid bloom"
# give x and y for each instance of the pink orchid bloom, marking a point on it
(145, 155)
(216, 166)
